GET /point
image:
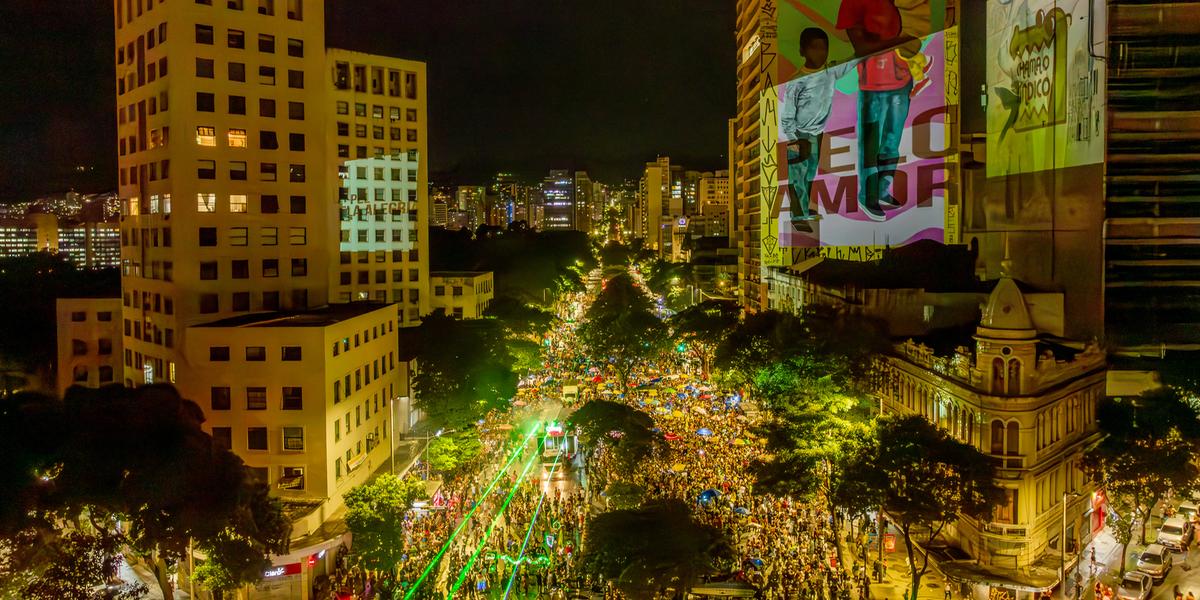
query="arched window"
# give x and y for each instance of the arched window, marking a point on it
(1014, 439)
(997, 437)
(1014, 377)
(80, 373)
(998, 375)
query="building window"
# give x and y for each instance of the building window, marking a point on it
(267, 172)
(237, 170)
(208, 235)
(218, 353)
(237, 71)
(256, 398)
(268, 204)
(208, 271)
(206, 169)
(223, 437)
(206, 203)
(220, 398)
(298, 205)
(204, 34)
(237, 105)
(293, 398)
(297, 236)
(236, 138)
(296, 141)
(206, 136)
(293, 439)
(256, 438)
(266, 7)
(267, 140)
(241, 269)
(256, 353)
(237, 202)
(296, 173)
(292, 478)
(299, 267)
(270, 267)
(78, 347)
(241, 301)
(204, 68)
(295, 10)
(209, 304)
(291, 353)
(106, 374)
(266, 76)
(80, 373)
(266, 43)
(78, 316)
(295, 79)
(266, 106)
(239, 236)
(237, 39)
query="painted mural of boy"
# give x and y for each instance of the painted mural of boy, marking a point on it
(808, 101)
(891, 72)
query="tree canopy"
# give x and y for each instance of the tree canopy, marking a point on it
(654, 547)
(464, 368)
(619, 327)
(524, 262)
(923, 479)
(518, 317)
(627, 431)
(702, 327)
(375, 515)
(1147, 451)
(138, 456)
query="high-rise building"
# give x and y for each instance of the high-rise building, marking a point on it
(662, 197)
(440, 208)
(558, 201)
(88, 244)
(295, 187)
(756, 64)
(584, 198)
(231, 214)
(714, 197)
(469, 201)
(1152, 304)
(384, 252)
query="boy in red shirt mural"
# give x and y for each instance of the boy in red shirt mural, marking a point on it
(887, 34)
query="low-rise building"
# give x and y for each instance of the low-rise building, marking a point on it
(1028, 401)
(461, 294)
(308, 399)
(89, 342)
(85, 243)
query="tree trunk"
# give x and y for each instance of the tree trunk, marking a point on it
(1124, 557)
(837, 534)
(161, 575)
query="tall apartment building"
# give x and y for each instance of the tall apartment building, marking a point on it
(377, 138)
(714, 197)
(756, 64)
(469, 201)
(558, 201)
(233, 213)
(1152, 224)
(584, 199)
(245, 220)
(662, 198)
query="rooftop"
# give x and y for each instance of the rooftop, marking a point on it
(316, 317)
(458, 273)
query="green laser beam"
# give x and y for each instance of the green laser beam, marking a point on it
(466, 518)
(520, 555)
(462, 574)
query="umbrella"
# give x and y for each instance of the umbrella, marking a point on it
(670, 437)
(519, 403)
(705, 396)
(504, 427)
(653, 402)
(677, 413)
(679, 467)
(704, 432)
(700, 409)
(757, 563)
(707, 496)
(597, 379)
(742, 510)
(739, 442)
(742, 418)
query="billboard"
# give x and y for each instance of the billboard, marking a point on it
(1045, 91)
(855, 130)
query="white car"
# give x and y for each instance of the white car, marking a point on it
(1155, 561)
(1135, 586)
(1176, 533)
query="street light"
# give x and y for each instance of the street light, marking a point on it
(1062, 545)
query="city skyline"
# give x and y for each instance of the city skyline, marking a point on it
(676, 107)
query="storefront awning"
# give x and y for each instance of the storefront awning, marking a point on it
(1038, 577)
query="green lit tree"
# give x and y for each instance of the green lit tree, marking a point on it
(375, 515)
(464, 369)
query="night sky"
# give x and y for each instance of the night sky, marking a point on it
(519, 85)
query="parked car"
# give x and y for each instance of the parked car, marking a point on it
(1187, 508)
(1176, 533)
(1135, 586)
(1155, 561)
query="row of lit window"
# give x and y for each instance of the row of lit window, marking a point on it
(360, 110)
(206, 202)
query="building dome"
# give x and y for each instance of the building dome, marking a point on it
(1006, 313)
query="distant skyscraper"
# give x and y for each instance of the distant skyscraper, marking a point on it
(558, 201)
(584, 197)
(470, 200)
(714, 197)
